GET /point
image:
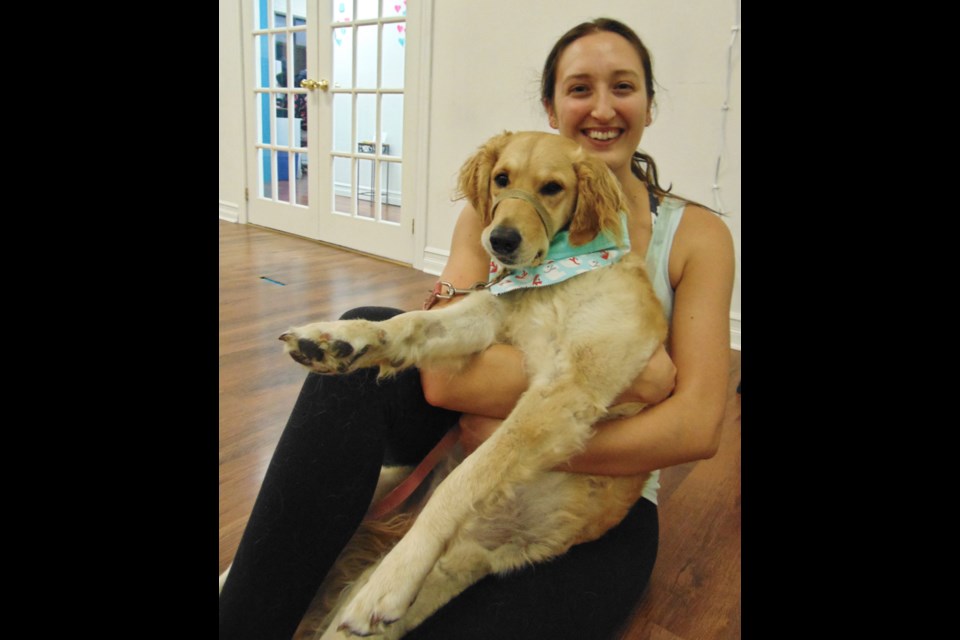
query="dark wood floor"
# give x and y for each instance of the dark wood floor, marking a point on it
(271, 281)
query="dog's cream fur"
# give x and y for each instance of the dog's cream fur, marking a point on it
(584, 340)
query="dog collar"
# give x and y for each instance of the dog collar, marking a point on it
(519, 194)
(563, 261)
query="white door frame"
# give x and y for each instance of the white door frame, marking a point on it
(416, 121)
(416, 127)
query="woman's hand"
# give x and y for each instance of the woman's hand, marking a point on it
(655, 383)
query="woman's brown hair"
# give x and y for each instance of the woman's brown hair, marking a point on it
(643, 165)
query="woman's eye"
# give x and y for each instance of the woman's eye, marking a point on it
(551, 189)
(502, 180)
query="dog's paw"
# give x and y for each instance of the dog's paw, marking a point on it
(383, 600)
(369, 614)
(334, 347)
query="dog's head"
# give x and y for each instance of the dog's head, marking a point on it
(528, 186)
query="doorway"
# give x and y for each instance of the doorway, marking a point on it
(326, 121)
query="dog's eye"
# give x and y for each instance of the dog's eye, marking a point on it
(502, 180)
(551, 189)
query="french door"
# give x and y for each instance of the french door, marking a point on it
(325, 122)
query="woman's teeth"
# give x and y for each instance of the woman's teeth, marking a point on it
(603, 135)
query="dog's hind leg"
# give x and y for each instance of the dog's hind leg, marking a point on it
(461, 567)
(548, 426)
(463, 564)
(409, 339)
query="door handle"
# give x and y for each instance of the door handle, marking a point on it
(313, 84)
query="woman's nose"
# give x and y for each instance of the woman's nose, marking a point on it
(603, 106)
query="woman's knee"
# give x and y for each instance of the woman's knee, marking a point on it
(375, 314)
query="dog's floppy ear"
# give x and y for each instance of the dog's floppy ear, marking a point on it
(599, 202)
(474, 181)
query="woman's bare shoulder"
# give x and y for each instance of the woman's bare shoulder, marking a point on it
(703, 240)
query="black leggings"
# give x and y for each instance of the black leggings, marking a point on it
(319, 485)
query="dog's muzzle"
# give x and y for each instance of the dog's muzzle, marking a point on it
(519, 194)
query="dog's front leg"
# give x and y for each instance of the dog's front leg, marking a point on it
(410, 339)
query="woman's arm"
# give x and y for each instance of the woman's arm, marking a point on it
(685, 426)
(655, 383)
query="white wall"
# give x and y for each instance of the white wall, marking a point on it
(487, 60)
(486, 64)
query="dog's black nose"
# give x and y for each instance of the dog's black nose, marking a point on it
(505, 240)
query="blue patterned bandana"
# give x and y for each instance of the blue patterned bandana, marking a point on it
(562, 262)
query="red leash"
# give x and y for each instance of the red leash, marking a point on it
(403, 490)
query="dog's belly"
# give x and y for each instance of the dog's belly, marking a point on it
(546, 515)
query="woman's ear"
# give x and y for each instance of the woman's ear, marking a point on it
(599, 203)
(551, 114)
(474, 181)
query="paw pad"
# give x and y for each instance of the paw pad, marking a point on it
(341, 349)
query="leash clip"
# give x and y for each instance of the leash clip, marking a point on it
(444, 290)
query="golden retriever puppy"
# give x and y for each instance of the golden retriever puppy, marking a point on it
(585, 338)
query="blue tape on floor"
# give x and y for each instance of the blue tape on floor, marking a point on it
(272, 280)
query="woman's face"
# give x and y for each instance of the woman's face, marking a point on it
(600, 98)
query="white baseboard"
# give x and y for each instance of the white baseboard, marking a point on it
(434, 260)
(229, 211)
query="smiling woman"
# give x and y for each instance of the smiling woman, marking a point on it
(325, 87)
(598, 93)
(597, 90)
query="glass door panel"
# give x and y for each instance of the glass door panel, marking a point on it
(326, 158)
(368, 67)
(392, 58)
(281, 55)
(366, 9)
